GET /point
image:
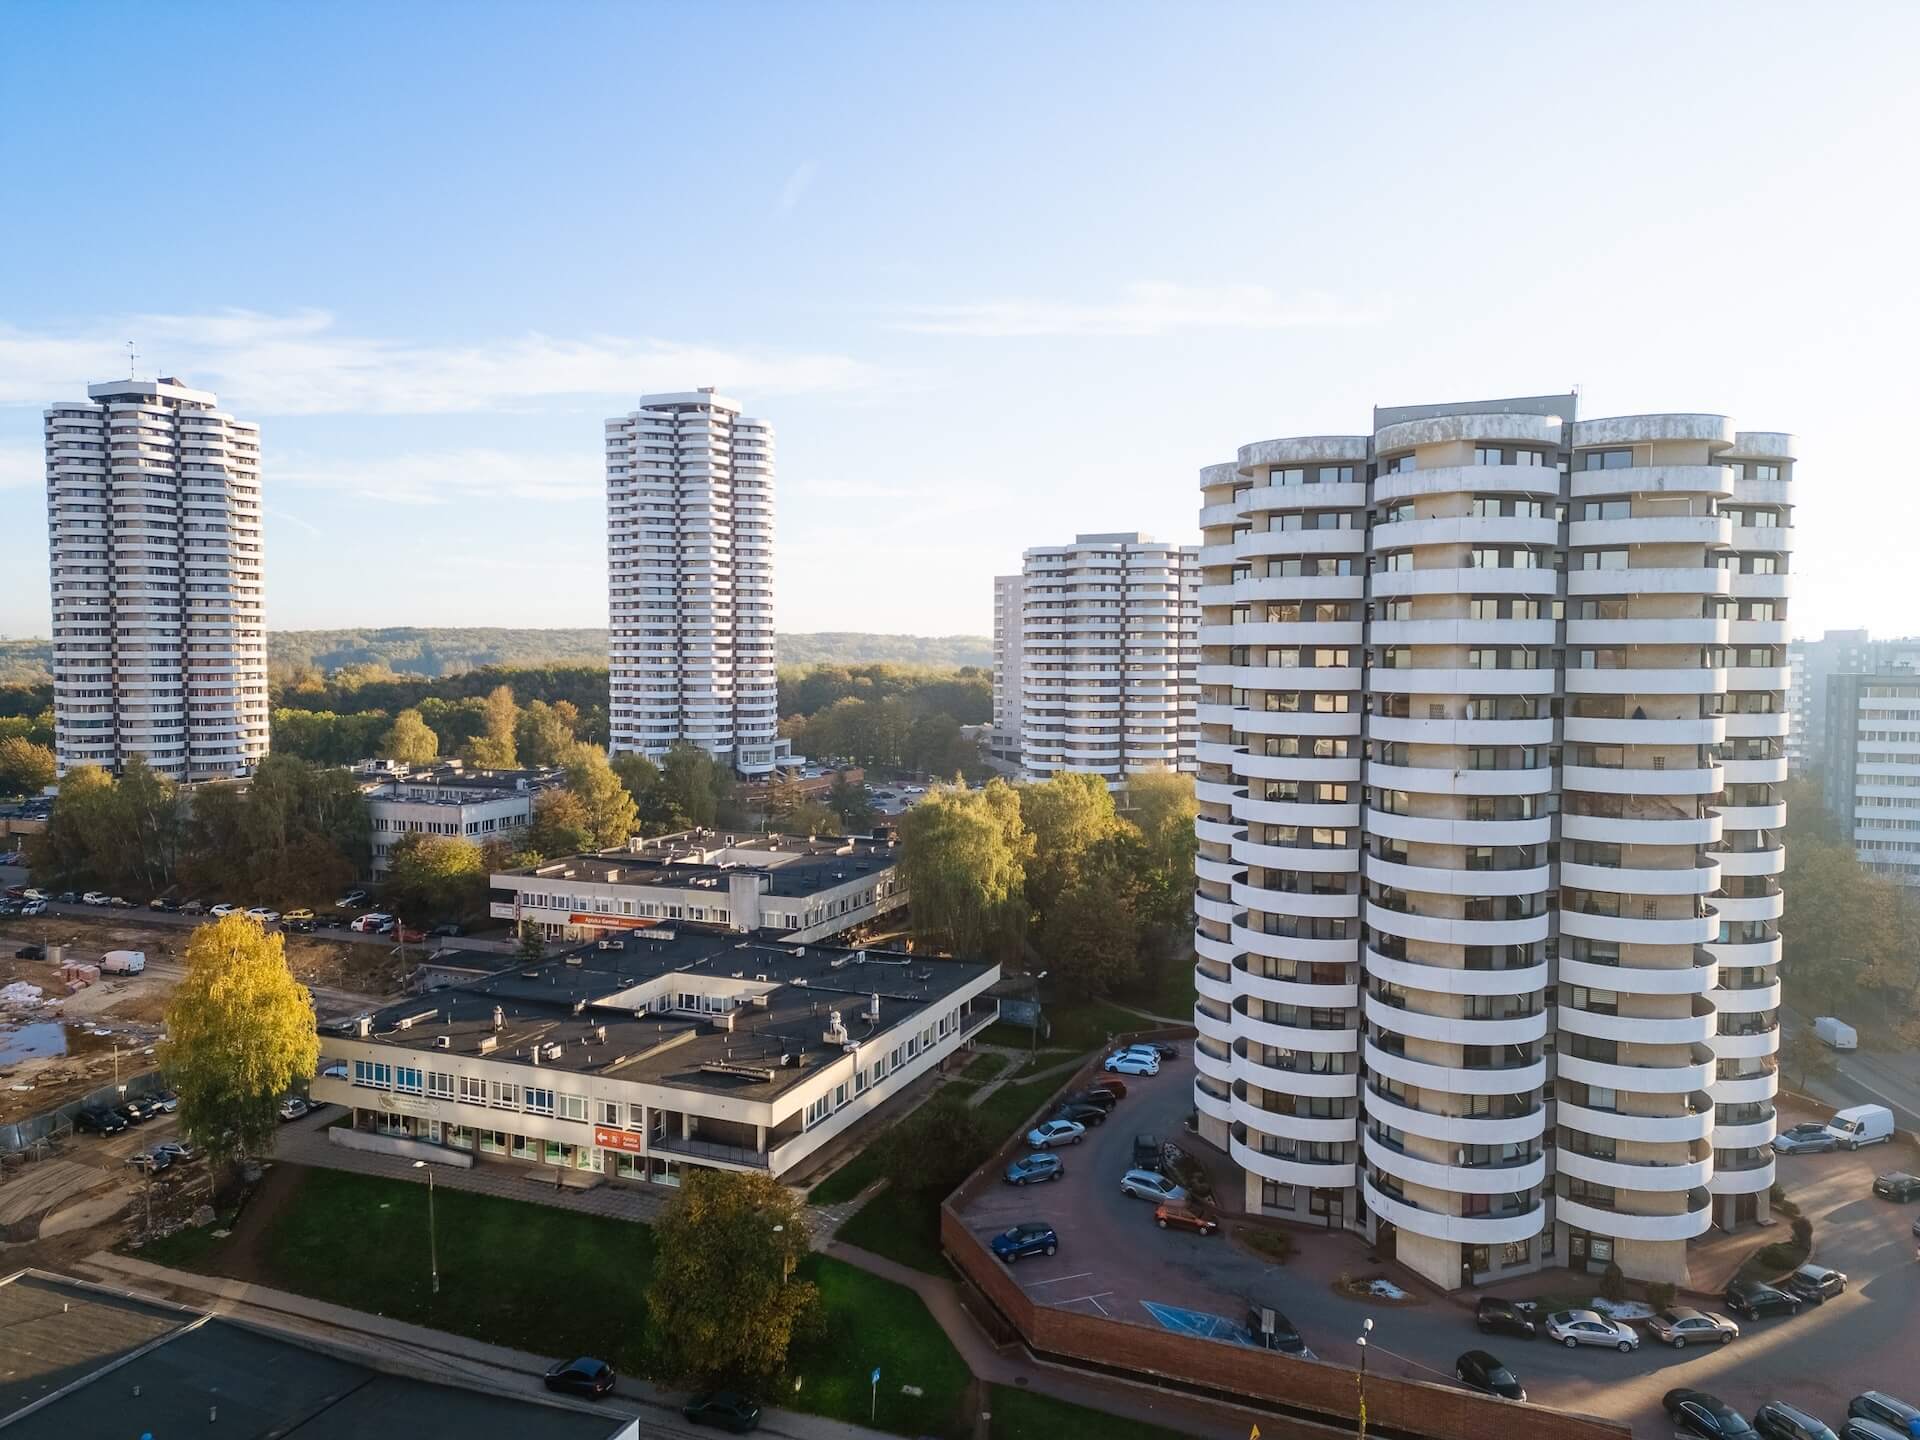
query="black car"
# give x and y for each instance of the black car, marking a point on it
(31, 952)
(1753, 1299)
(1778, 1420)
(1858, 1427)
(1480, 1371)
(66, 897)
(1897, 1185)
(585, 1376)
(1271, 1330)
(1165, 1049)
(1103, 1098)
(1082, 1114)
(725, 1408)
(1707, 1416)
(452, 930)
(297, 927)
(1883, 1409)
(1502, 1317)
(99, 1120)
(1815, 1283)
(1146, 1152)
(135, 1112)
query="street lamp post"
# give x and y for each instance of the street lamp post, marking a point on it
(433, 1244)
(1366, 1329)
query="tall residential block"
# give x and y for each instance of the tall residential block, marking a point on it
(690, 580)
(1870, 776)
(1492, 728)
(159, 632)
(1814, 664)
(1107, 654)
(1009, 621)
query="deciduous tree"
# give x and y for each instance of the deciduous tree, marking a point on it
(561, 825)
(609, 811)
(25, 768)
(437, 877)
(411, 741)
(542, 736)
(1067, 815)
(964, 854)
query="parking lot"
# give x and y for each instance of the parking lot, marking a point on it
(1113, 1261)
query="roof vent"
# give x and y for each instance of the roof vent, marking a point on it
(836, 1033)
(499, 1018)
(443, 1042)
(489, 1043)
(363, 1027)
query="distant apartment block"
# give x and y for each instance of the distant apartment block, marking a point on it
(1009, 621)
(690, 580)
(448, 799)
(1813, 664)
(1108, 646)
(159, 635)
(1871, 767)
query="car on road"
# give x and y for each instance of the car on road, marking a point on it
(99, 1120)
(1897, 1185)
(1682, 1326)
(95, 897)
(299, 912)
(1032, 1237)
(293, 1107)
(263, 915)
(727, 1409)
(1152, 1185)
(1590, 1327)
(1030, 1169)
(1753, 1299)
(372, 923)
(352, 900)
(1883, 1409)
(34, 907)
(585, 1376)
(1708, 1416)
(1816, 1283)
(1478, 1370)
(1807, 1138)
(1270, 1330)
(1494, 1316)
(1146, 1152)
(1049, 1133)
(1778, 1420)
(221, 910)
(1082, 1114)
(1189, 1216)
(1132, 1062)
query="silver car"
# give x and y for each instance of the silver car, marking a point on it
(1683, 1326)
(1590, 1327)
(1150, 1185)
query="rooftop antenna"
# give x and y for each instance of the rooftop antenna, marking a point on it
(132, 355)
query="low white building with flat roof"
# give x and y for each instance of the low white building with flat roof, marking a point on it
(447, 799)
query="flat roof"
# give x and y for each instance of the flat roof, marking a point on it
(793, 865)
(581, 1001)
(256, 1383)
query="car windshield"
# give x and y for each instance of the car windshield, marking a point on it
(1500, 1375)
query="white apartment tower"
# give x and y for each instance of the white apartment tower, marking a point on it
(159, 635)
(1107, 653)
(690, 580)
(1492, 723)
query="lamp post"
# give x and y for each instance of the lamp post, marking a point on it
(433, 1245)
(1366, 1329)
(786, 1259)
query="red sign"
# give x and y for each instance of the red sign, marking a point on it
(611, 922)
(618, 1139)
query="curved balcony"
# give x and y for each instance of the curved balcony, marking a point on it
(1301, 450)
(1467, 530)
(1647, 1176)
(1755, 772)
(1695, 1124)
(1417, 680)
(1293, 1082)
(1631, 930)
(1262, 678)
(1545, 431)
(1734, 909)
(1293, 992)
(1279, 722)
(1749, 1180)
(1247, 766)
(1218, 872)
(1656, 580)
(1689, 1224)
(1326, 1174)
(1295, 903)
(1463, 1229)
(1709, 731)
(1223, 912)
(1445, 830)
(1694, 1029)
(1690, 631)
(1541, 480)
(1743, 724)
(1293, 1127)
(1753, 817)
(1288, 857)
(1456, 1129)
(1287, 947)
(1618, 880)
(1217, 832)
(1751, 862)
(1430, 880)
(1285, 632)
(1460, 732)
(1757, 677)
(1716, 480)
(1748, 1000)
(1219, 1068)
(1451, 930)
(1434, 780)
(1465, 580)
(1284, 499)
(1644, 1079)
(1752, 1135)
(1456, 1029)
(1290, 587)
(1747, 1047)
(1715, 431)
(1699, 978)
(1683, 830)
(1445, 980)
(1456, 1080)
(1293, 812)
(1454, 1179)
(1746, 1089)
(1207, 987)
(1341, 1041)
(1214, 1025)
(1622, 780)
(1214, 1107)
(1221, 952)
(1279, 544)
(1461, 630)
(1713, 531)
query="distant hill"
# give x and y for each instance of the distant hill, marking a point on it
(435, 651)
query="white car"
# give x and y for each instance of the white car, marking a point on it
(371, 923)
(95, 897)
(1152, 1185)
(1055, 1132)
(264, 915)
(34, 907)
(1590, 1327)
(32, 894)
(218, 910)
(1133, 1062)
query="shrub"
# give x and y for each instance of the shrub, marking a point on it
(1613, 1284)
(1660, 1295)
(1802, 1232)
(1274, 1245)
(1781, 1255)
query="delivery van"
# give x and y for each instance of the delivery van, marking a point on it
(1861, 1125)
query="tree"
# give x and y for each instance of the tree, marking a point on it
(493, 748)
(610, 814)
(1067, 815)
(561, 824)
(723, 1304)
(1804, 1056)
(850, 803)
(240, 1034)
(541, 735)
(410, 741)
(64, 853)
(533, 945)
(692, 783)
(437, 876)
(1091, 932)
(964, 855)
(933, 1149)
(1162, 808)
(25, 768)
(810, 817)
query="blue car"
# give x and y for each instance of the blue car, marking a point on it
(1038, 1166)
(1032, 1238)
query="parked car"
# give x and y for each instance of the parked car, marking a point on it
(727, 1409)
(10, 907)
(449, 931)
(1493, 1316)
(178, 1151)
(1049, 1133)
(193, 907)
(409, 936)
(264, 915)
(296, 927)
(1883, 1409)
(1478, 1370)
(1861, 1125)
(1778, 1420)
(31, 952)
(119, 902)
(1091, 1097)
(1754, 1299)
(1033, 1237)
(1188, 1216)
(135, 1112)
(99, 1120)
(152, 1161)
(34, 907)
(1708, 1416)
(352, 900)
(221, 910)
(66, 897)
(1806, 1138)
(1815, 1283)
(165, 903)
(95, 897)
(1132, 1062)
(1082, 1114)
(585, 1376)
(1897, 1185)
(1146, 1152)
(1159, 1049)
(298, 912)
(1112, 1085)
(1041, 1165)
(165, 1101)
(1151, 1185)
(1590, 1327)
(1271, 1330)
(1858, 1427)
(293, 1107)
(1682, 1326)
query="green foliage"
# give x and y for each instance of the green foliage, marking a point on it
(410, 741)
(25, 768)
(436, 877)
(544, 733)
(887, 715)
(935, 1147)
(608, 812)
(724, 1304)
(1660, 1294)
(964, 855)
(240, 1034)
(850, 803)
(292, 835)
(1274, 1245)
(533, 945)
(561, 825)
(119, 836)
(1613, 1283)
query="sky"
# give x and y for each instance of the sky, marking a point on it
(997, 274)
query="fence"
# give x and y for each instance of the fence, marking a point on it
(22, 1135)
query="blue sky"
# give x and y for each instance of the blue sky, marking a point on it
(996, 274)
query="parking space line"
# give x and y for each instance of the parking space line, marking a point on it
(1077, 1275)
(1093, 1299)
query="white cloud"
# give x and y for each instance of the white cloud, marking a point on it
(21, 466)
(1144, 308)
(444, 476)
(798, 183)
(300, 363)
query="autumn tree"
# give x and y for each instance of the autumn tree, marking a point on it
(437, 876)
(25, 768)
(724, 1303)
(964, 855)
(240, 1034)
(411, 741)
(542, 735)
(850, 803)
(493, 748)
(610, 815)
(560, 825)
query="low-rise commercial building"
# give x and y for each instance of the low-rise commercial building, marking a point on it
(801, 888)
(635, 1057)
(448, 799)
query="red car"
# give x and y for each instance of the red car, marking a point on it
(1186, 1217)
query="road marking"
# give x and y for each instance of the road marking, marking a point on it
(1094, 1299)
(1077, 1275)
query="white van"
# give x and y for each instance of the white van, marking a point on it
(1861, 1125)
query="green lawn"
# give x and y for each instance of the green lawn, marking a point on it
(1168, 990)
(984, 1067)
(902, 1226)
(1011, 1104)
(853, 1177)
(1022, 1415)
(872, 1322)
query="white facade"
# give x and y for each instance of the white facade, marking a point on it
(478, 808)
(1492, 720)
(159, 638)
(1872, 769)
(1814, 664)
(690, 580)
(1009, 600)
(1108, 650)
